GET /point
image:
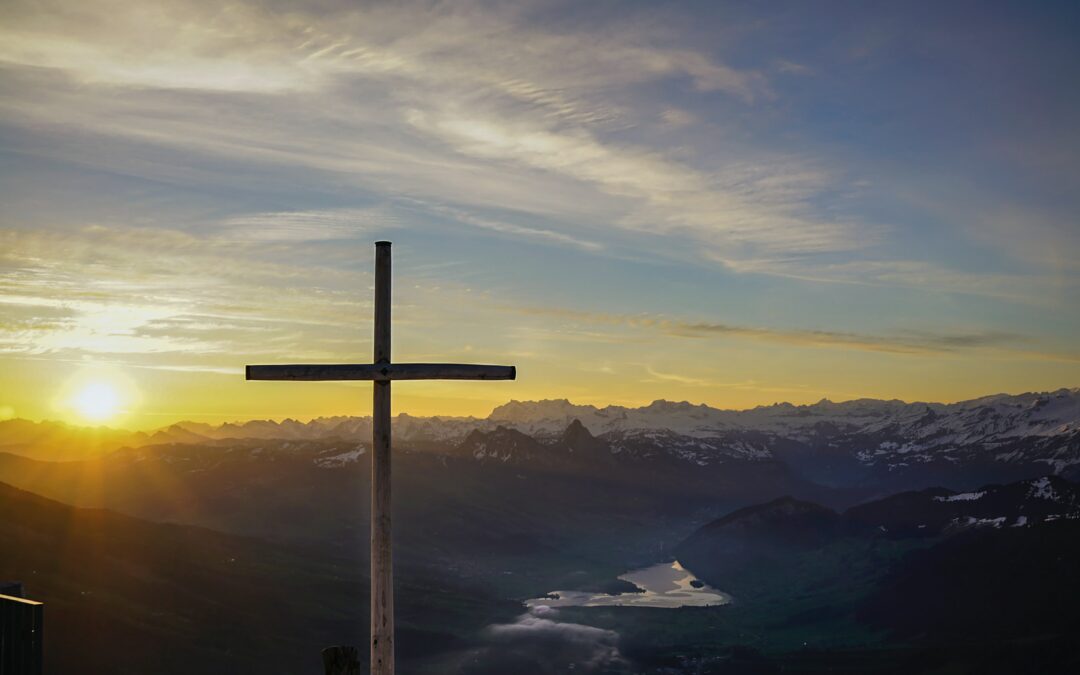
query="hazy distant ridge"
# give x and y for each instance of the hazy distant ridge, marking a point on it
(1044, 413)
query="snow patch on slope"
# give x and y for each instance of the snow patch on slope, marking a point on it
(962, 497)
(339, 460)
(1042, 489)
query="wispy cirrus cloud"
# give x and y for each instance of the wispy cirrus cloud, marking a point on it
(903, 342)
(1038, 287)
(481, 107)
(657, 376)
(303, 226)
(144, 291)
(166, 298)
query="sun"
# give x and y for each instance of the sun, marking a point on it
(97, 401)
(97, 393)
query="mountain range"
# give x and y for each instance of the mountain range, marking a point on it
(827, 524)
(864, 444)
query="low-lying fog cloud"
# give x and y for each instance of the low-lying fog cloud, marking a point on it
(537, 642)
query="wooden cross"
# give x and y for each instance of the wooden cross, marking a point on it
(381, 372)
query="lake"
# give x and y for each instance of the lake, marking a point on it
(666, 585)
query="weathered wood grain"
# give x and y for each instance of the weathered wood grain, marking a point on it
(382, 562)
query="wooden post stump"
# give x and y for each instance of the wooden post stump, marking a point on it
(341, 660)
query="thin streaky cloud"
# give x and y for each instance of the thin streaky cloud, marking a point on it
(906, 343)
(504, 227)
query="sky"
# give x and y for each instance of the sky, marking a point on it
(726, 203)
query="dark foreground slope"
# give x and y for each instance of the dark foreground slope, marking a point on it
(125, 595)
(985, 584)
(975, 582)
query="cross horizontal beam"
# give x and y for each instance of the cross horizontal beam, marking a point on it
(380, 372)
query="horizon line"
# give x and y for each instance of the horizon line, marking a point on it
(281, 420)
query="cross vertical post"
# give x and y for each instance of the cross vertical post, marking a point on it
(380, 372)
(382, 569)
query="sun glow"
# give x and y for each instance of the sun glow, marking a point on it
(97, 401)
(97, 393)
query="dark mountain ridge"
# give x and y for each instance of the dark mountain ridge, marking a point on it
(786, 526)
(937, 510)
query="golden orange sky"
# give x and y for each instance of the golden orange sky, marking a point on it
(151, 397)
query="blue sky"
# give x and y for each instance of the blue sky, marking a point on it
(734, 203)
